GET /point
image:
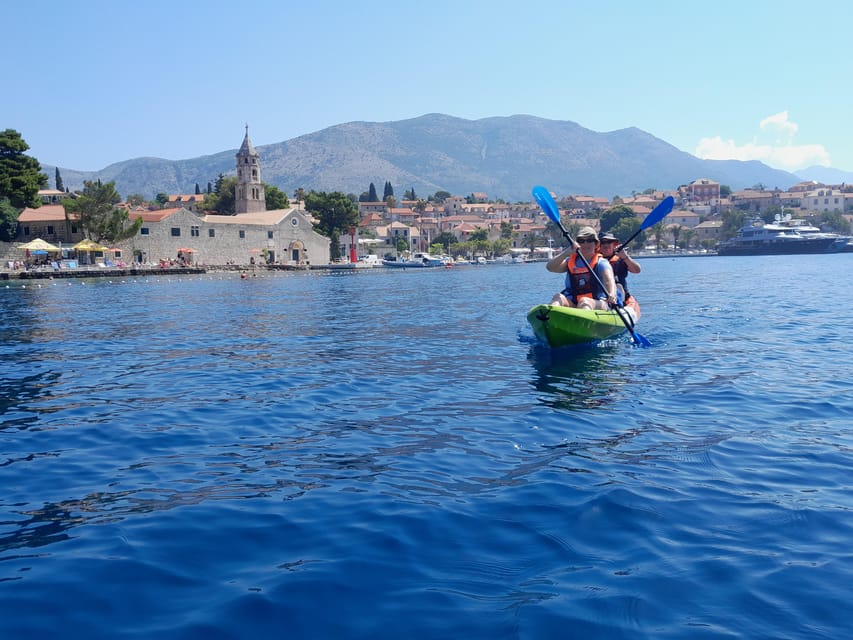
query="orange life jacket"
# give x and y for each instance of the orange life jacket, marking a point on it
(580, 283)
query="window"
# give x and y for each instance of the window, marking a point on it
(73, 228)
(26, 231)
(144, 231)
(269, 235)
(211, 233)
(242, 234)
(176, 232)
(194, 231)
(50, 228)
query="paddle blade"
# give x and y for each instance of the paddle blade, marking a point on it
(658, 213)
(640, 340)
(546, 202)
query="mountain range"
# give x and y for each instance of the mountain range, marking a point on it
(501, 156)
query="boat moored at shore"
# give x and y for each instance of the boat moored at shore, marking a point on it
(757, 238)
(417, 260)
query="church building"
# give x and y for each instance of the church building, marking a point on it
(249, 193)
(252, 235)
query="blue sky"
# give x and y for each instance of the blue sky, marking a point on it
(89, 83)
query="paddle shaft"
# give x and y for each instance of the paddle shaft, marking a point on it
(657, 214)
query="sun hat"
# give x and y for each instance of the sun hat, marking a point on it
(587, 232)
(608, 237)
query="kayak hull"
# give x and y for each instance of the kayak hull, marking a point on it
(565, 326)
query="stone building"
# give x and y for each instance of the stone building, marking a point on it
(283, 236)
(249, 194)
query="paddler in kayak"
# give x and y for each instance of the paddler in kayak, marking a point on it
(622, 263)
(583, 290)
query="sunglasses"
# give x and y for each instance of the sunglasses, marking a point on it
(583, 240)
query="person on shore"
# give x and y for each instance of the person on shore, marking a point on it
(583, 290)
(622, 263)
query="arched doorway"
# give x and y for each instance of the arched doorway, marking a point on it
(297, 251)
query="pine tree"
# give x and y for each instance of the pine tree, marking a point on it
(20, 178)
(59, 185)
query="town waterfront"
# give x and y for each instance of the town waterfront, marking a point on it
(387, 453)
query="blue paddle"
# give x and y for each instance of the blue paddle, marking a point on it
(657, 214)
(546, 202)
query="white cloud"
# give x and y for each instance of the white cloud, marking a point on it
(779, 122)
(781, 152)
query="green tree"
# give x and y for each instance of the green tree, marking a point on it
(20, 175)
(501, 246)
(725, 191)
(299, 194)
(675, 230)
(389, 191)
(834, 220)
(222, 200)
(161, 199)
(335, 214)
(440, 196)
(445, 239)
(371, 193)
(611, 217)
(135, 200)
(8, 220)
(479, 235)
(410, 194)
(732, 223)
(402, 245)
(275, 198)
(58, 180)
(507, 230)
(197, 189)
(625, 228)
(98, 215)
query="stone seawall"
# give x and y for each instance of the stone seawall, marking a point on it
(95, 273)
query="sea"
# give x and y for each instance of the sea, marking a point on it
(390, 454)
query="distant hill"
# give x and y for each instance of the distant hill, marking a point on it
(826, 175)
(502, 156)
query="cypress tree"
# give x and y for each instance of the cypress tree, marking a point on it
(197, 189)
(389, 190)
(59, 185)
(371, 194)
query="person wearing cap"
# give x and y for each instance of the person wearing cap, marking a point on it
(583, 290)
(622, 263)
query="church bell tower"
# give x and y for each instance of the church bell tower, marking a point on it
(249, 194)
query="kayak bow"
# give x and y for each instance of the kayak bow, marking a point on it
(564, 326)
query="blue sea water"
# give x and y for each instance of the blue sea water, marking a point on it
(389, 454)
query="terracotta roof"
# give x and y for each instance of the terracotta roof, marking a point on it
(152, 216)
(272, 217)
(45, 213)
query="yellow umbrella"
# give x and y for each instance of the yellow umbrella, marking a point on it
(89, 245)
(39, 245)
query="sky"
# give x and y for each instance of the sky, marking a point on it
(91, 82)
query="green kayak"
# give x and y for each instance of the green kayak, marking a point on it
(564, 326)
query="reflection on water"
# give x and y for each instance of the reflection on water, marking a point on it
(581, 377)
